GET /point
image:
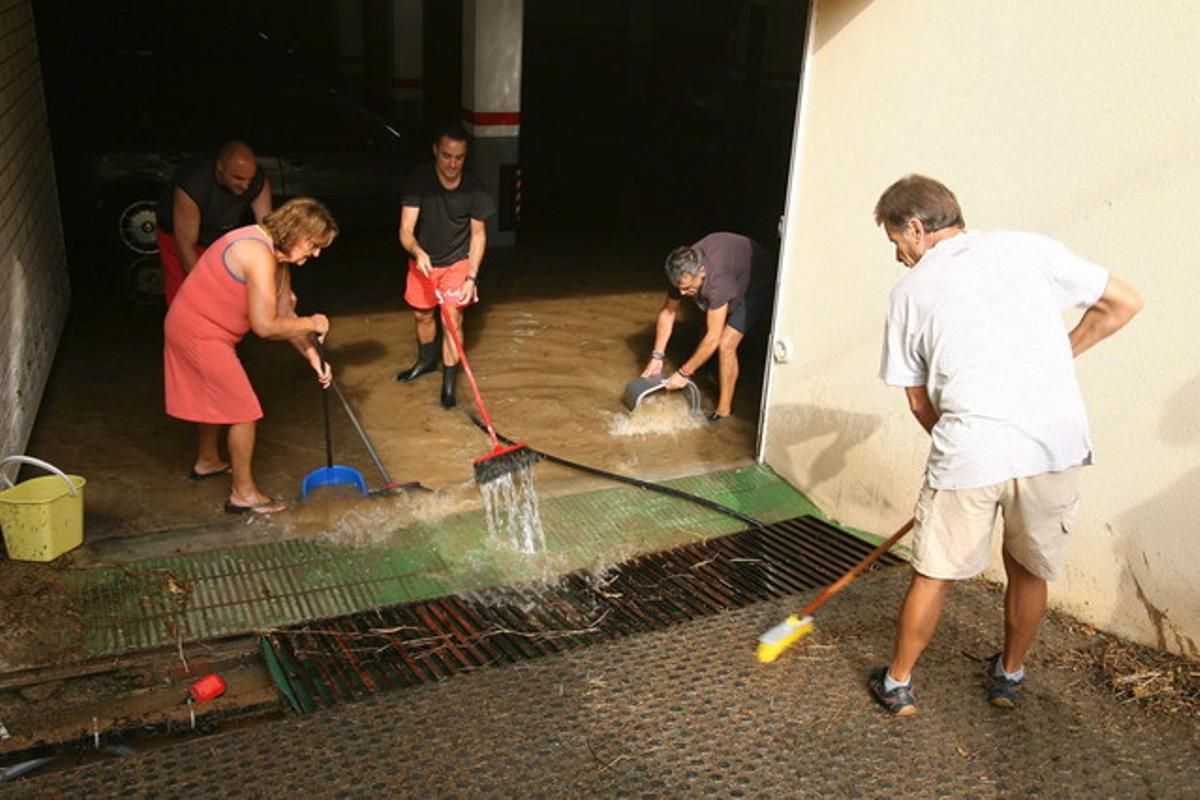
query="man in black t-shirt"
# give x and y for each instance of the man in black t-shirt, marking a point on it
(732, 280)
(442, 228)
(206, 198)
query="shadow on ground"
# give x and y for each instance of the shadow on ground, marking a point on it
(688, 711)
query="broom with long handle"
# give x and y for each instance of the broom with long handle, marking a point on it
(500, 460)
(772, 643)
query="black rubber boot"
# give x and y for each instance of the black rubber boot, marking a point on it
(449, 381)
(427, 358)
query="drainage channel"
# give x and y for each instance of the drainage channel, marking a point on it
(320, 664)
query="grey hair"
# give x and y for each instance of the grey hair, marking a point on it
(683, 261)
(923, 198)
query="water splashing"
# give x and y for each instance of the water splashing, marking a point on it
(510, 505)
(656, 415)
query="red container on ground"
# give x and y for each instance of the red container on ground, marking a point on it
(207, 688)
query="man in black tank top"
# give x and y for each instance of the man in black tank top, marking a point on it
(206, 198)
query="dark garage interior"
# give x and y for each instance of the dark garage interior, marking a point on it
(642, 126)
(435, 632)
(642, 123)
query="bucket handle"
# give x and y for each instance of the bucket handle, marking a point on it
(37, 462)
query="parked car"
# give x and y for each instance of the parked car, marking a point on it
(310, 139)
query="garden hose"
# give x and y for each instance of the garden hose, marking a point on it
(641, 484)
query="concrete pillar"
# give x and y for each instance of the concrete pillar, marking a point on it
(378, 49)
(492, 31)
(350, 39)
(407, 59)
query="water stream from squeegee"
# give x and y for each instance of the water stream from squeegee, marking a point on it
(510, 504)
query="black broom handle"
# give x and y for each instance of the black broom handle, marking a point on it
(362, 434)
(316, 340)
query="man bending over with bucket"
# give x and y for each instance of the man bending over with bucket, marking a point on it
(974, 336)
(732, 280)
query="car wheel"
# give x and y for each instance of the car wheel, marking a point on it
(131, 216)
(144, 282)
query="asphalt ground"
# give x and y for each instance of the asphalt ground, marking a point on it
(688, 711)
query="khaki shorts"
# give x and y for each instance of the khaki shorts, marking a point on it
(953, 532)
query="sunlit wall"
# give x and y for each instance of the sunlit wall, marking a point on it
(1078, 120)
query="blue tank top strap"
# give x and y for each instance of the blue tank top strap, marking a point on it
(225, 252)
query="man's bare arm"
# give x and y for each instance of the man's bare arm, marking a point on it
(1119, 303)
(478, 245)
(715, 326)
(261, 205)
(922, 407)
(664, 324)
(186, 220)
(408, 238)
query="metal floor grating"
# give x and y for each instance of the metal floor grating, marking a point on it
(163, 602)
(250, 588)
(343, 659)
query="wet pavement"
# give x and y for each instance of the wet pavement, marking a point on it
(558, 333)
(192, 586)
(688, 712)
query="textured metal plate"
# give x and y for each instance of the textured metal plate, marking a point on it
(345, 658)
(689, 712)
(161, 602)
(247, 589)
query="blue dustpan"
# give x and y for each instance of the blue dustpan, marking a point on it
(331, 474)
(337, 475)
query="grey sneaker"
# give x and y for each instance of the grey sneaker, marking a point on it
(899, 701)
(1002, 692)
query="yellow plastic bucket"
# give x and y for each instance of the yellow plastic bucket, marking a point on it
(42, 518)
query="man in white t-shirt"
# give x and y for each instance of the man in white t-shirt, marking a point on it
(975, 338)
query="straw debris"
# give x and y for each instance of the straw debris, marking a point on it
(1160, 683)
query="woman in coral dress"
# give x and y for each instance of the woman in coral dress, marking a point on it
(241, 283)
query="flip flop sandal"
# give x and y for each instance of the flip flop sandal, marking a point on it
(270, 507)
(203, 476)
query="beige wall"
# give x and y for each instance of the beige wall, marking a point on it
(1077, 119)
(33, 279)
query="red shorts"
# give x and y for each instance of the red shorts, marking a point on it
(421, 292)
(172, 267)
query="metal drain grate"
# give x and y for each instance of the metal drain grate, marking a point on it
(346, 658)
(173, 600)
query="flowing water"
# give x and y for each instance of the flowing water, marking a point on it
(660, 413)
(553, 350)
(510, 505)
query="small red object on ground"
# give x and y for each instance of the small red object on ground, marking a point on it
(207, 688)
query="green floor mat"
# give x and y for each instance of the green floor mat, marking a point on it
(225, 592)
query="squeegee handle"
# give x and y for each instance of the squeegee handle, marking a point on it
(316, 340)
(466, 365)
(362, 434)
(855, 571)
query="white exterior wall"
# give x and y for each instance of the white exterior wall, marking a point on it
(1078, 120)
(34, 294)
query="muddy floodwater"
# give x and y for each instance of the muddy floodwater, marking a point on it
(557, 335)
